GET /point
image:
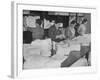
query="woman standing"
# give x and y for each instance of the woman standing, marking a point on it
(70, 31)
(82, 27)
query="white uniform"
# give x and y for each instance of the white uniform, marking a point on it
(82, 29)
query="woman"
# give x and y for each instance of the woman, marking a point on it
(82, 27)
(70, 31)
(38, 31)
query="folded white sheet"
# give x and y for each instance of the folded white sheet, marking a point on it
(75, 47)
(84, 40)
(38, 61)
(37, 53)
(80, 62)
(29, 50)
(35, 61)
(46, 47)
(63, 50)
(43, 45)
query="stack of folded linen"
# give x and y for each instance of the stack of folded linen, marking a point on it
(36, 61)
(62, 49)
(38, 47)
(46, 47)
(81, 62)
(37, 55)
(85, 40)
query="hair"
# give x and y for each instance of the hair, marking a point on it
(73, 22)
(38, 21)
(84, 21)
(77, 25)
(58, 21)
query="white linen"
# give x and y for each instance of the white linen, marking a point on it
(63, 49)
(30, 51)
(35, 61)
(38, 58)
(80, 62)
(55, 62)
(75, 47)
(44, 46)
(34, 58)
(38, 61)
(84, 40)
(37, 47)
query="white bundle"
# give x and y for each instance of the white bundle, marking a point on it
(46, 47)
(84, 40)
(63, 49)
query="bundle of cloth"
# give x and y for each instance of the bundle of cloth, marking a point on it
(38, 53)
(82, 57)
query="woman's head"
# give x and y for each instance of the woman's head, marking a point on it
(38, 21)
(73, 23)
(84, 21)
(52, 22)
